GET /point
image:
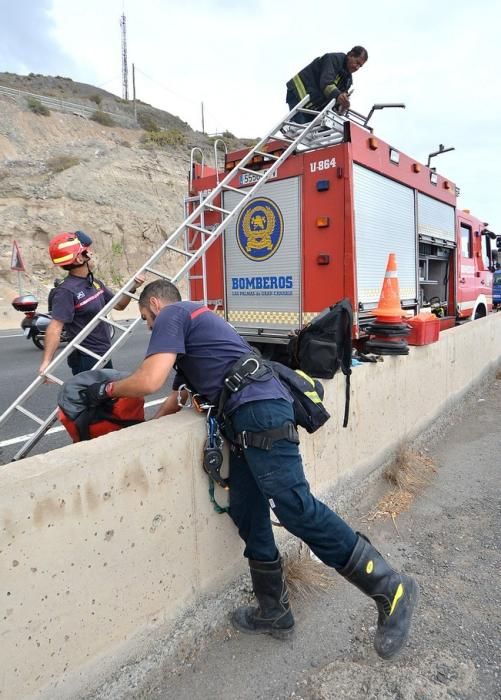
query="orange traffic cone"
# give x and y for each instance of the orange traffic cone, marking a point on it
(389, 309)
(388, 332)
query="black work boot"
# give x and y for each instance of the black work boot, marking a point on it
(273, 615)
(394, 594)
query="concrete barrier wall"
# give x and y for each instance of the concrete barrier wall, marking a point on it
(104, 542)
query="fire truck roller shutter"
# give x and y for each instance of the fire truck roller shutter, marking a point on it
(435, 218)
(384, 223)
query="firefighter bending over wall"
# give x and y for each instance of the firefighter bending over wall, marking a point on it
(323, 79)
(265, 464)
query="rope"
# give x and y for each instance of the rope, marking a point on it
(220, 510)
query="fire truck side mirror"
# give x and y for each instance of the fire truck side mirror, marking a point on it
(492, 236)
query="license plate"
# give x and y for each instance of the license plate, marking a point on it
(250, 179)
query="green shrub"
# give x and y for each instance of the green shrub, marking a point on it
(167, 137)
(117, 248)
(147, 122)
(249, 143)
(60, 163)
(102, 118)
(37, 107)
(96, 98)
(117, 278)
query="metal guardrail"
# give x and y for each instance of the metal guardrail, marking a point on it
(64, 106)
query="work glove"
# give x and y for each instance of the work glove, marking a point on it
(95, 394)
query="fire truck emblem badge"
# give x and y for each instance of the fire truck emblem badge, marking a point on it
(260, 229)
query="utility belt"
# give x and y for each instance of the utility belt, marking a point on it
(248, 368)
(251, 367)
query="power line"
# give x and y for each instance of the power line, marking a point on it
(181, 97)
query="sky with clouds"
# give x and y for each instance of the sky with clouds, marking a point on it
(440, 58)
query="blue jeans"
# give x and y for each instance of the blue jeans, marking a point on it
(260, 479)
(79, 362)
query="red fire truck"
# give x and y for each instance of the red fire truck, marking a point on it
(322, 228)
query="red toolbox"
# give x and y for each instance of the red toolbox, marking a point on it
(425, 328)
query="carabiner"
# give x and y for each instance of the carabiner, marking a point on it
(189, 401)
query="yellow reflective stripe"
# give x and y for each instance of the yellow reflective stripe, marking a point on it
(313, 396)
(398, 595)
(63, 259)
(305, 376)
(328, 89)
(299, 85)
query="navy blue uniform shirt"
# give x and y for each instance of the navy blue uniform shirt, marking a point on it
(75, 303)
(206, 347)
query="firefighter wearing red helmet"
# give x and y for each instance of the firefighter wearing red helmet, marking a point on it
(77, 300)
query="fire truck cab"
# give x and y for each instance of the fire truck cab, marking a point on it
(321, 229)
(477, 258)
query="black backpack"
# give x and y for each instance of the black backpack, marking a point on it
(307, 394)
(324, 345)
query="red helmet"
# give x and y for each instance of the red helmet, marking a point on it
(66, 247)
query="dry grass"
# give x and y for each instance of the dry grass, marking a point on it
(409, 473)
(305, 576)
(60, 163)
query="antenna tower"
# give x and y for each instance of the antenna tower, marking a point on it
(125, 80)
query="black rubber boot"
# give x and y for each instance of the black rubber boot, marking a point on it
(394, 594)
(273, 615)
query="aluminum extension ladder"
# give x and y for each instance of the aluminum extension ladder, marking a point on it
(325, 127)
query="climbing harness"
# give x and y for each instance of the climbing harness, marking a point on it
(213, 451)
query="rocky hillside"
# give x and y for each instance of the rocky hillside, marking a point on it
(58, 171)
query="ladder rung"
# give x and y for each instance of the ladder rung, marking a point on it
(215, 208)
(86, 351)
(158, 274)
(31, 415)
(299, 127)
(181, 251)
(305, 110)
(127, 294)
(266, 155)
(114, 323)
(195, 277)
(54, 380)
(249, 170)
(234, 189)
(196, 228)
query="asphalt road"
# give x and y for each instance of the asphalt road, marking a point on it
(19, 362)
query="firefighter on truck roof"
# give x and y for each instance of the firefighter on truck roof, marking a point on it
(323, 79)
(266, 470)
